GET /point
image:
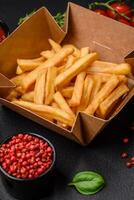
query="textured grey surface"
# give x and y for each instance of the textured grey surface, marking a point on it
(102, 155)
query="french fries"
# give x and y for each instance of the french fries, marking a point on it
(105, 76)
(54, 104)
(19, 70)
(104, 107)
(49, 90)
(51, 62)
(61, 102)
(76, 68)
(97, 86)
(76, 52)
(102, 94)
(86, 95)
(28, 96)
(47, 54)
(55, 46)
(78, 89)
(39, 91)
(55, 113)
(13, 95)
(60, 69)
(70, 61)
(67, 92)
(105, 67)
(17, 80)
(28, 64)
(84, 51)
(66, 80)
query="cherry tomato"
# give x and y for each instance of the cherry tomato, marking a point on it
(124, 21)
(132, 21)
(3, 31)
(121, 8)
(101, 12)
(2, 35)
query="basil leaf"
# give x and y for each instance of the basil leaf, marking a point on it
(87, 182)
(59, 17)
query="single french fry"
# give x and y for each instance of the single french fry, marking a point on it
(29, 64)
(49, 90)
(105, 76)
(19, 70)
(67, 92)
(84, 51)
(97, 86)
(45, 116)
(76, 52)
(17, 80)
(105, 67)
(80, 65)
(78, 89)
(108, 87)
(47, 54)
(59, 99)
(51, 62)
(39, 91)
(87, 90)
(56, 113)
(55, 46)
(28, 96)
(113, 97)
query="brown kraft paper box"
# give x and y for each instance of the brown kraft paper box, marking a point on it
(113, 40)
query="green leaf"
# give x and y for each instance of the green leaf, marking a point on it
(59, 17)
(22, 19)
(87, 182)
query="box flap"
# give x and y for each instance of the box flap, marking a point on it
(28, 40)
(5, 85)
(112, 39)
(130, 59)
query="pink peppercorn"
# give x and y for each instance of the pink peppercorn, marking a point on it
(125, 140)
(25, 156)
(124, 155)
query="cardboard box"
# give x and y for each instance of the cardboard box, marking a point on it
(113, 40)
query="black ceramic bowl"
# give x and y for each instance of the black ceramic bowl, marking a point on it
(30, 189)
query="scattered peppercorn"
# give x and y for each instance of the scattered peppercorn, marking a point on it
(26, 156)
(128, 164)
(124, 155)
(125, 140)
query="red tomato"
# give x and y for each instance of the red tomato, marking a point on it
(101, 12)
(132, 21)
(121, 8)
(2, 34)
(124, 21)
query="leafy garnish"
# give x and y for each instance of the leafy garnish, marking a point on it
(22, 19)
(59, 17)
(87, 182)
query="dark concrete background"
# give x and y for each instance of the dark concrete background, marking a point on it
(102, 155)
